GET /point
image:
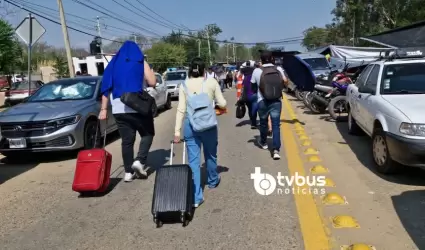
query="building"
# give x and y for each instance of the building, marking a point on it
(92, 65)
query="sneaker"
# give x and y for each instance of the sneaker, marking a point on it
(276, 155)
(196, 205)
(139, 169)
(128, 177)
(263, 145)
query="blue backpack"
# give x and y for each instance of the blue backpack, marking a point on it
(200, 110)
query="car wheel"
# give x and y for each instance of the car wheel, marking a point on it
(353, 128)
(381, 155)
(90, 134)
(168, 104)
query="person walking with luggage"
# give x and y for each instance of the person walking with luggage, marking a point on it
(199, 124)
(271, 81)
(127, 72)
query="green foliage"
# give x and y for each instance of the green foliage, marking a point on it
(61, 66)
(357, 18)
(163, 55)
(255, 50)
(10, 51)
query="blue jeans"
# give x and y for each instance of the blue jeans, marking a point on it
(272, 108)
(209, 140)
(252, 105)
(221, 82)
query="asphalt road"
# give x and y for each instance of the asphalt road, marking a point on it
(40, 211)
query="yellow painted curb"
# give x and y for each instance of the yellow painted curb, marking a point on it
(314, 233)
(303, 137)
(306, 143)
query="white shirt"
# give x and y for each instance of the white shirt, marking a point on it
(210, 75)
(256, 76)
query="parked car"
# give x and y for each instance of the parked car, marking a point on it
(387, 103)
(161, 94)
(4, 84)
(19, 91)
(173, 79)
(60, 116)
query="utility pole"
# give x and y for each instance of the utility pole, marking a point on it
(354, 28)
(199, 47)
(99, 33)
(227, 53)
(209, 44)
(135, 38)
(66, 39)
(234, 53)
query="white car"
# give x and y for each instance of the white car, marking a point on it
(161, 94)
(388, 104)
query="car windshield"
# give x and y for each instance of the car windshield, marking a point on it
(175, 76)
(317, 63)
(24, 85)
(408, 78)
(64, 90)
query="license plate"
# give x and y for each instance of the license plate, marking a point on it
(17, 143)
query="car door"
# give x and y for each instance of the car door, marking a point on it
(367, 101)
(161, 90)
(354, 93)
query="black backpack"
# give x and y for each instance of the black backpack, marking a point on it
(271, 83)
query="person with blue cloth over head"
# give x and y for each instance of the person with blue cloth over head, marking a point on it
(128, 72)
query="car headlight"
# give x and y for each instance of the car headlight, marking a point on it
(65, 121)
(412, 129)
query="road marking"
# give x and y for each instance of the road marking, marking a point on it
(312, 227)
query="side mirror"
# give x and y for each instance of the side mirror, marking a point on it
(366, 90)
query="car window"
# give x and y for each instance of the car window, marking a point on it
(24, 85)
(372, 80)
(174, 76)
(317, 63)
(363, 76)
(406, 78)
(158, 79)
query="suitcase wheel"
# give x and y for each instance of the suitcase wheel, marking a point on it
(184, 219)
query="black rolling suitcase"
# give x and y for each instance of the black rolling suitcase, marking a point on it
(173, 192)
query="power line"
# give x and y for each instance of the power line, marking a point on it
(144, 5)
(143, 14)
(115, 16)
(71, 28)
(119, 29)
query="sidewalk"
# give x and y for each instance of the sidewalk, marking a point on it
(39, 210)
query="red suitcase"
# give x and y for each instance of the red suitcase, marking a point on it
(93, 169)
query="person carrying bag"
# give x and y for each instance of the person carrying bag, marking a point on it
(123, 82)
(197, 117)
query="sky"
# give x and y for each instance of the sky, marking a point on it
(246, 21)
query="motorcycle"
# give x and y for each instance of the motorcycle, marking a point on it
(338, 101)
(316, 100)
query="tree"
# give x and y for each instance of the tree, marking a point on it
(163, 55)
(10, 50)
(315, 37)
(255, 50)
(61, 67)
(357, 18)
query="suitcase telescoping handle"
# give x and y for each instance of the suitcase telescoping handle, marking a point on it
(172, 151)
(104, 134)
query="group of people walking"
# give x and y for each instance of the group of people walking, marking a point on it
(129, 72)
